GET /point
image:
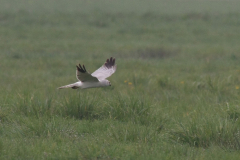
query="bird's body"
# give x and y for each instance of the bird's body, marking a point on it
(94, 80)
(83, 85)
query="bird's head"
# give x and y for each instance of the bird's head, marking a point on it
(106, 82)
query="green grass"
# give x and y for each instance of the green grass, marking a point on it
(175, 94)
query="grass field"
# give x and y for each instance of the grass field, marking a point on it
(175, 95)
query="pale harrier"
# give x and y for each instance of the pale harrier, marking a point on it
(96, 79)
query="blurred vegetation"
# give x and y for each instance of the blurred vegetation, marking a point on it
(175, 94)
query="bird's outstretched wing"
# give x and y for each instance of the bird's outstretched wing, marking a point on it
(84, 76)
(106, 70)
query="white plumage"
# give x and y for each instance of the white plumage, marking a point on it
(96, 79)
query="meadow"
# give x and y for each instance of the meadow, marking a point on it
(175, 94)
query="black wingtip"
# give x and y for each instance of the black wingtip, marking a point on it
(113, 61)
(84, 68)
(81, 69)
(110, 62)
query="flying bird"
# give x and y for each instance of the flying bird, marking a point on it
(96, 79)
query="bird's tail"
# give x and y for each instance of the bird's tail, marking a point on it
(73, 86)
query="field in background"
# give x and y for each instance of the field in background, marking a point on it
(175, 94)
